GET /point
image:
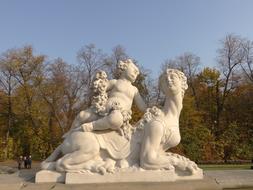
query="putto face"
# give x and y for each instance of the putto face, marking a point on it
(131, 71)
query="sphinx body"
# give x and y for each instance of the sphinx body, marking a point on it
(91, 151)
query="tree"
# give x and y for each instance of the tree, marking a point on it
(27, 69)
(238, 115)
(7, 86)
(230, 56)
(92, 60)
(62, 89)
(247, 65)
(209, 95)
(118, 54)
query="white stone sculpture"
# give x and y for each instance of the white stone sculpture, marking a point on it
(161, 127)
(109, 119)
(108, 143)
(112, 101)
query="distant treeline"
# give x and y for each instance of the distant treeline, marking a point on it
(40, 98)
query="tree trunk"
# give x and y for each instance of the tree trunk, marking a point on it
(6, 152)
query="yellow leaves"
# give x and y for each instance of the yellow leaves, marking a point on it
(210, 76)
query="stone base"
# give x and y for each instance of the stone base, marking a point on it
(117, 177)
(136, 176)
(47, 176)
(185, 175)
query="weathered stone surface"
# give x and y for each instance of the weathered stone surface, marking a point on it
(47, 176)
(232, 179)
(7, 170)
(180, 175)
(213, 180)
(131, 176)
(10, 181)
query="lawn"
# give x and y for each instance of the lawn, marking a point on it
(225, 166)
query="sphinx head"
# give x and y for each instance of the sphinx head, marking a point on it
(173, 82)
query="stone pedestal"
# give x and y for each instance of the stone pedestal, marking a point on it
(182, 175)
(136, 176)
(117, 177)
(47, 176)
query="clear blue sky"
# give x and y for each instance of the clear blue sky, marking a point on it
(150, 30)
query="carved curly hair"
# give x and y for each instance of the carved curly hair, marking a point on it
(122, 66)
(165, 78)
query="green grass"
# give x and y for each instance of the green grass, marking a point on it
(225, 166)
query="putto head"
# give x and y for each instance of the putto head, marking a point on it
(127, 69)
(173, 80)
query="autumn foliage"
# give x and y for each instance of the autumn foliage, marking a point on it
(39, 99)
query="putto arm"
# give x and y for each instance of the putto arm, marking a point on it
(139, 101)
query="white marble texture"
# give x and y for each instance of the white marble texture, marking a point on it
(47, 176)
(102, 143)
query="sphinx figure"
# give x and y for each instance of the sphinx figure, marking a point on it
(161, 127)
(116, 146)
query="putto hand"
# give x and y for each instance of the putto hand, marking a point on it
(87, 127)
